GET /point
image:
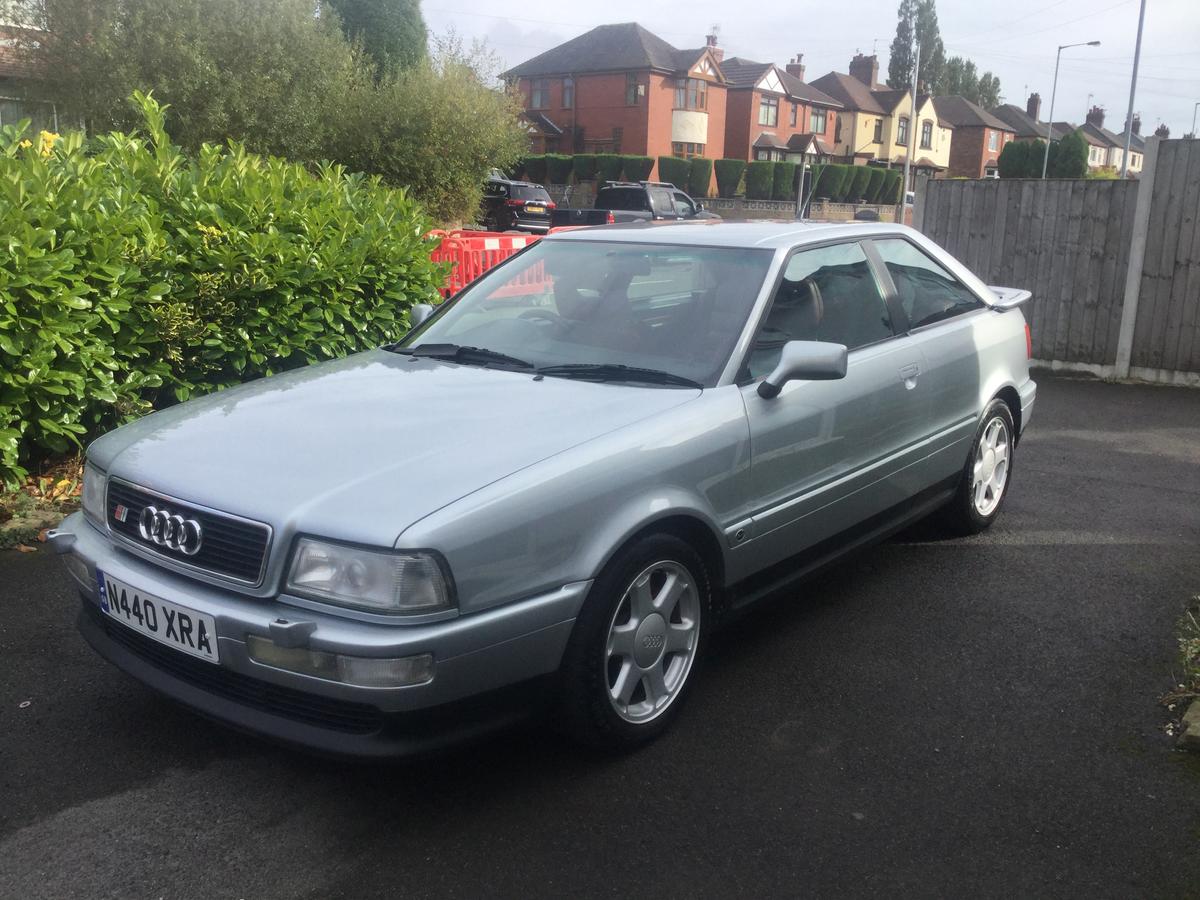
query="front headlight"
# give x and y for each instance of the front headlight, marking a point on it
(92, 495)
(385, 581)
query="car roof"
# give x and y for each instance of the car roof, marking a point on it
(717, 233)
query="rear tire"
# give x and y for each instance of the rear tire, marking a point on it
(987, 474)
(634, 651)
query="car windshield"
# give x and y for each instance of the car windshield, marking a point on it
(670, 309)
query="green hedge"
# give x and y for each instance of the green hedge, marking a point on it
(584, 166)
(729, 176)
(674, 170)
(558, 168)
(783, 183)
(535, 169)
(858, 184)
(892, 190)
(760, 178)
(875, 185)
(637, 168)
(699, 181)
(133, 276)
(608, 167)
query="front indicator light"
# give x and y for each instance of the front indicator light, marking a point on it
(360, 671)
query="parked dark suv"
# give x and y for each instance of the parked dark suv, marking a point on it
(515, 205)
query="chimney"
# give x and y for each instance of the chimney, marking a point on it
(1095, 116)
(796, 66)
(1162, 131)
(1033, 106)
(1137, 123)
(711, 40)
(865, 69)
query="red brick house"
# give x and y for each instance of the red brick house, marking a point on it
(20, 78)
(772, 114)
(979, 137)
(621, 89)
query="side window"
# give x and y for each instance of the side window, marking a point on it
(660, 201)
(927, 292)
(684, 206)
(827, 294)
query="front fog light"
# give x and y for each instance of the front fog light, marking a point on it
(360, 671)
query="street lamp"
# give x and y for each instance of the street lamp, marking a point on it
(1053, 91)
(1137, 56)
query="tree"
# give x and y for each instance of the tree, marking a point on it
(1016, 159)
(1071, 160)
(989, 91)
(959, 78)
(391, 32)
(900, 58)
(933, 52)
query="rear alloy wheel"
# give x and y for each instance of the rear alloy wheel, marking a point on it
(635, 646)
(984, 482)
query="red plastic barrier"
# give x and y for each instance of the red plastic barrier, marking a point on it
(471, 253)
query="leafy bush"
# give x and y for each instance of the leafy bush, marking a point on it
(674, 170)
(133, 276)
(558, 168)
(608, 167)
(535, 169)
(893, 188)
(760, 177)
(699, 181)
(584, 166)
(729, 176)
(1014, 161)
(637, 168)
(1071, 160)
(839, 176)
(784, 181)
(858, 184)
(875, 185)
(827, 181)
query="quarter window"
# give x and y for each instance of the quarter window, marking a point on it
(927, 291)
(827, 294)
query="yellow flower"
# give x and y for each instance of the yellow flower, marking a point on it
(25, 143)
(46, 141)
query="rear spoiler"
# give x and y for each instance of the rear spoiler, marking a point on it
(1009, 298)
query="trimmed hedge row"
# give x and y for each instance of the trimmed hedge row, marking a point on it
(134, 277)
(558, 168)
(849, 184)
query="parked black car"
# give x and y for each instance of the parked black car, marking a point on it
(634, 201)
(515, 205)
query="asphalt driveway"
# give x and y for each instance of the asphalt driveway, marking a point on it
(933, 718)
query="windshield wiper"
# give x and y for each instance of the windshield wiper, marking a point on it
(617, 372)
(466, 355)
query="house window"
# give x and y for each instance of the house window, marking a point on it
(993, 140)
(690, 93)
(770, 155)
(768, 111)
(878, 139)
(792, 116)
(631, 89)
(568, 93)
(687, 150)
(902, 131)
(1137, 160)
(817, 121)
(927, 135)
(539, 94)
(837, 130)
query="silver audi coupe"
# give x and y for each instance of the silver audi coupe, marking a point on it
(551, 491)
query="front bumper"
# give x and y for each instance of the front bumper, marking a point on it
(484, 662)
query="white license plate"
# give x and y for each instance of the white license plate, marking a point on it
(168, 623)
(535, 209)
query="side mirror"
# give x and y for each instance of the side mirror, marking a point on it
(804, 361)
(418, 314)
(699, 207)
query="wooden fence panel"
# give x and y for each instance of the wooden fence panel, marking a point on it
(1065, 240)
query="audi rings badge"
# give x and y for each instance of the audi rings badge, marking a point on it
(171, 530)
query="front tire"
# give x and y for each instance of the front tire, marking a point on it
(633, 653)
(985, 478)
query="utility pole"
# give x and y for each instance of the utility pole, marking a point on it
(908, 151)
(1137, 55)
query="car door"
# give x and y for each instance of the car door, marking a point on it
(945, 319)
(826, 455)
(661, 203)
(684, 207)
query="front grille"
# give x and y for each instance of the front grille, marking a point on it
(322, 712)
(232, 547)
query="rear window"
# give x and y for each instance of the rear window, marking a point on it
(529, 192)
(621, 198)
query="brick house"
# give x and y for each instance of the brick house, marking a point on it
(874, 127)
(1107, 149)
(979, 137)
(1026, 124)
(20, 82)
(621, 89)
(772, 114)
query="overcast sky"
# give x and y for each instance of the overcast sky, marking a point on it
(1015, 39)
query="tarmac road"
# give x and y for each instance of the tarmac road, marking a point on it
(932, 718)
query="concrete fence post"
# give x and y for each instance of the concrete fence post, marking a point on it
(1137, 259)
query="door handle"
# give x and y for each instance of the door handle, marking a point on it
(909, 375)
